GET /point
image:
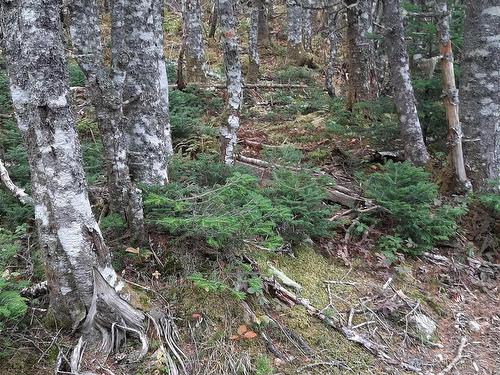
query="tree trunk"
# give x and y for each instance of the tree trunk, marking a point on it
(125, 199)
(263, 37)
(193, 41)
(307, 24)
(451, 98)
(294, 36)
(137, 55)
(214, 17)
(332, 49)
(69, 236)
(480, 93)
(253, 50)
(411, 132)
(232, 66)
(363, 84)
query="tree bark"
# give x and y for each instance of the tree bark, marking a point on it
(307, 24)
(363, 83)
(264, 37)
(214, 18)
(332, 49)
(294, 36)
(480, 93)
(450, 94)
(253, 45)
(137, 56)
(193, 41)
(411, 132)
(69, 236)
(232, 66)
(125, 198)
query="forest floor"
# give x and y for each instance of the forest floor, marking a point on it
(343, 277)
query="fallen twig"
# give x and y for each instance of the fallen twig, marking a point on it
(13, 188)
(457, 358)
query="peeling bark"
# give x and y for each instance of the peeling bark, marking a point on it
(450, 94)
(411, 132)
(363, 83)
(232, 66)
(480, 93)
(193, 41)
(125, 198)
(139, 65)
(253, 51)
(69, 236)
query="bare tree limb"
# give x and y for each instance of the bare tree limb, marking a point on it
(13, 188)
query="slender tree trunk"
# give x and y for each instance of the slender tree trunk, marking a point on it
(411, 132)
(69, 236)
(214, 18)
(363, 83)
(294, 36)
(125, 199)
(232, 66)
(264, 37)
(451, 98)
(480, 93)
(332, 49)
(253, 47)
(193, 41)
(307, 24)
(137, 55)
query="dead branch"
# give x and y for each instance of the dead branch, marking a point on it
(35, 291)
(457, 358)
(13, 188)
(269, 86)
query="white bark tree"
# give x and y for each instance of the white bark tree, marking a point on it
(307, 24)
(125, 198)
(480, 93)
(140, 70)
(294, 31)
(193, 41)
(404, 97)
(253, 44)
(331, 13)
(450, 94)
(232, 65)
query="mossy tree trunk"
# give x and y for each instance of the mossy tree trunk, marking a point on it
(480, 94)
(404, 97)
(232, 65)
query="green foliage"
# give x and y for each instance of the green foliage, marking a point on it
(113, 222)
(76, 76)
(223, 206)
(213, 285)
(293, 74)
(491, 201)
(409, 198)
(93, 162)
(263, 366)
(12, 305)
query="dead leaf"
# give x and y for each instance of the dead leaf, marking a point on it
(132, 250)
(234, 337)
(250, 335)
(196, 315)
(242, 329)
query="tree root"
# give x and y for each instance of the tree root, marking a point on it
(114, 319)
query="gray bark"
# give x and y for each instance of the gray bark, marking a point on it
(264, 36)
(307, 24)
(125, 199)
(411, 132)
(450, 96)
(232, 65)
(480, 93)
(139, 65)
(294, 36)
(332, 49)
(253, 50)
(193, 41)
(69, 236)
(363, 84)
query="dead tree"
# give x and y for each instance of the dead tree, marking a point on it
(480, 94)
(404, 97)
(450, 94)
(232, 64)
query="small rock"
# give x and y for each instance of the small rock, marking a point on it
(424, 325)
(474, 326)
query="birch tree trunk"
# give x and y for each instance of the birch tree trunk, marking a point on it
(193, 41)
(125, 199)
(232, 66)
(480, 93)
(139, 65)
(294, 36)
(307, 24)
(332, 49)
(69, 236)
(450, 94)
(363, 84)
(411, 132)
(253, 44)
